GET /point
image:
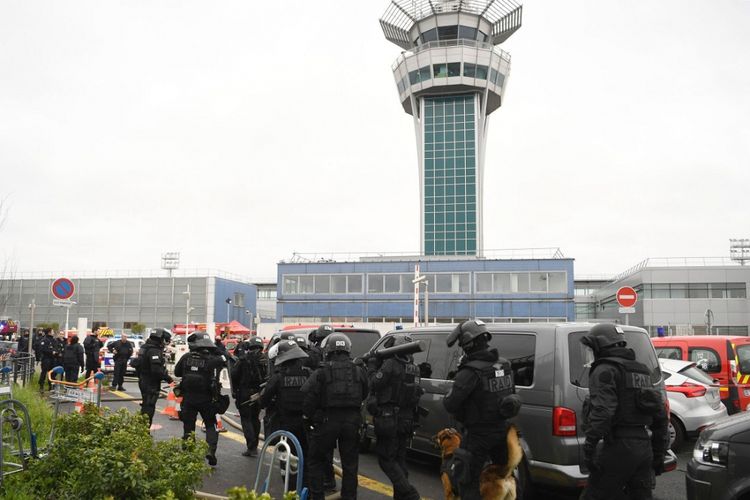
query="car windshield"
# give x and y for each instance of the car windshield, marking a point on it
(696, 374)
(581, 356)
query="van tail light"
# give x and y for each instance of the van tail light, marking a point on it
(733, 370)
(689, 390)
(563, 422)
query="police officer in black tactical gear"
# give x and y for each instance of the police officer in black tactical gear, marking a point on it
(482, 399)
(303, 344)
(394, 384)
(333, 398)
(622, 404)
(284, 392)
(200, 388)
(247, 374)
(48, 348)
(151, 367)
(73, 362)
(121, 349)
(91, 346)
(315, 359)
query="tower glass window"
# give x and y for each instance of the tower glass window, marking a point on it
(450, 204)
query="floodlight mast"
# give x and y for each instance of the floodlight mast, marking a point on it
(170, 261)
(739, 250)
(450, 77)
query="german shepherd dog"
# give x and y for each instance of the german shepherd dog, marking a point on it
(496, 481)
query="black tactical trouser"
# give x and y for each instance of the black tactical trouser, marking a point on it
(47, 365)
(92, 364)
(294, 424)
(250, 421)
(71, 373)
(392, 437)
(189, 412)
(623, 471)
(149, 397)
(483, 443)
(341, 426)
(118, 377)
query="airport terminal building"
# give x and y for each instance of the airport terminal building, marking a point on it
(375, 289)
(681, 296)
(118, 299)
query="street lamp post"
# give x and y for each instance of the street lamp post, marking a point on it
(32, 307)
(229, 303)
(188, 310)
(418, 280)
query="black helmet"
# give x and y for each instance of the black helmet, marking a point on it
(200, 340)
(254, 342)
(604, 335)
(405, 339)
(281, 336)
(466, 332)
(336, 342)
(322, 332)
(301, 341)
(160, 335)
(289, 350)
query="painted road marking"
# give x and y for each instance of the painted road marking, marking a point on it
(363, 481)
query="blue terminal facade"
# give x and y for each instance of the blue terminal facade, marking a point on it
(370, 290)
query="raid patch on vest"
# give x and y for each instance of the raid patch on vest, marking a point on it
(498, 384)
(638, 381)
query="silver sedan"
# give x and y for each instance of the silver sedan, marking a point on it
(694, 399)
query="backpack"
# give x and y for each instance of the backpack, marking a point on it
(456, 467)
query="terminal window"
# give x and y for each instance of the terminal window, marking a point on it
(450, 182)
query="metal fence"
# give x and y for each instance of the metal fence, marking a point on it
(16, 368)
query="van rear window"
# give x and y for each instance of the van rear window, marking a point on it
(581, 356)
(743, 353)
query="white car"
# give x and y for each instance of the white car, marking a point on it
(107, 363)
(694, 400)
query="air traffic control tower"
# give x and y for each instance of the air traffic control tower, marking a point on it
(450, 77)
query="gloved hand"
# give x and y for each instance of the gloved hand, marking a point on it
(374, 364)
(589, 451)
(658, 464)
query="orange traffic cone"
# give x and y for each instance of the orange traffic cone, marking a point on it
(171, 409)
(78, 407)
(219, 425)
(177, 403)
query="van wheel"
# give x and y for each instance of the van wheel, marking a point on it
(676, 433)
(524, 488)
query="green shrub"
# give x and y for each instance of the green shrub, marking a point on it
(241, 493)
(111, 455)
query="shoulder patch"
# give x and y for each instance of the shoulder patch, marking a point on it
(379, 375)
(155, 357)
(605, 377)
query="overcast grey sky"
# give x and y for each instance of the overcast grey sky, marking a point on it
(238, 132)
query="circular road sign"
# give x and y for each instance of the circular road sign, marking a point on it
(63, 288)
(626, 296)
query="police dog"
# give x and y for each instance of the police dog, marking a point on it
(496, 481)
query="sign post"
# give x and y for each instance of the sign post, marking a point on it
(627, 298)
(416, 295)
(63, 289)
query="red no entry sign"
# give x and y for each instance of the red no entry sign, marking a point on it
(626, 296)
(63, 288)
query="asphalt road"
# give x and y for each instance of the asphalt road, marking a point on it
(235, 470)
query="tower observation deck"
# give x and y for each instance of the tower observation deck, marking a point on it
(450, 77)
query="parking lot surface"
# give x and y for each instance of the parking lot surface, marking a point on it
(235, 470)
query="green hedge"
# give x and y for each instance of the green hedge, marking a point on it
(110, 456)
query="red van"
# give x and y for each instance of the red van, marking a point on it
(726, 358)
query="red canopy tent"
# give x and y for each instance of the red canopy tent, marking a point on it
(237, 328)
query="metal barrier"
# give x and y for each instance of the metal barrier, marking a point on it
(14, 420)
(73, 392)
(21, 368)
(284, 452)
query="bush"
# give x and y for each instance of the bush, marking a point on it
(110, 455)
(241, 493)
(137, 328)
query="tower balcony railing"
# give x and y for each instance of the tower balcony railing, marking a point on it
(463, 42)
